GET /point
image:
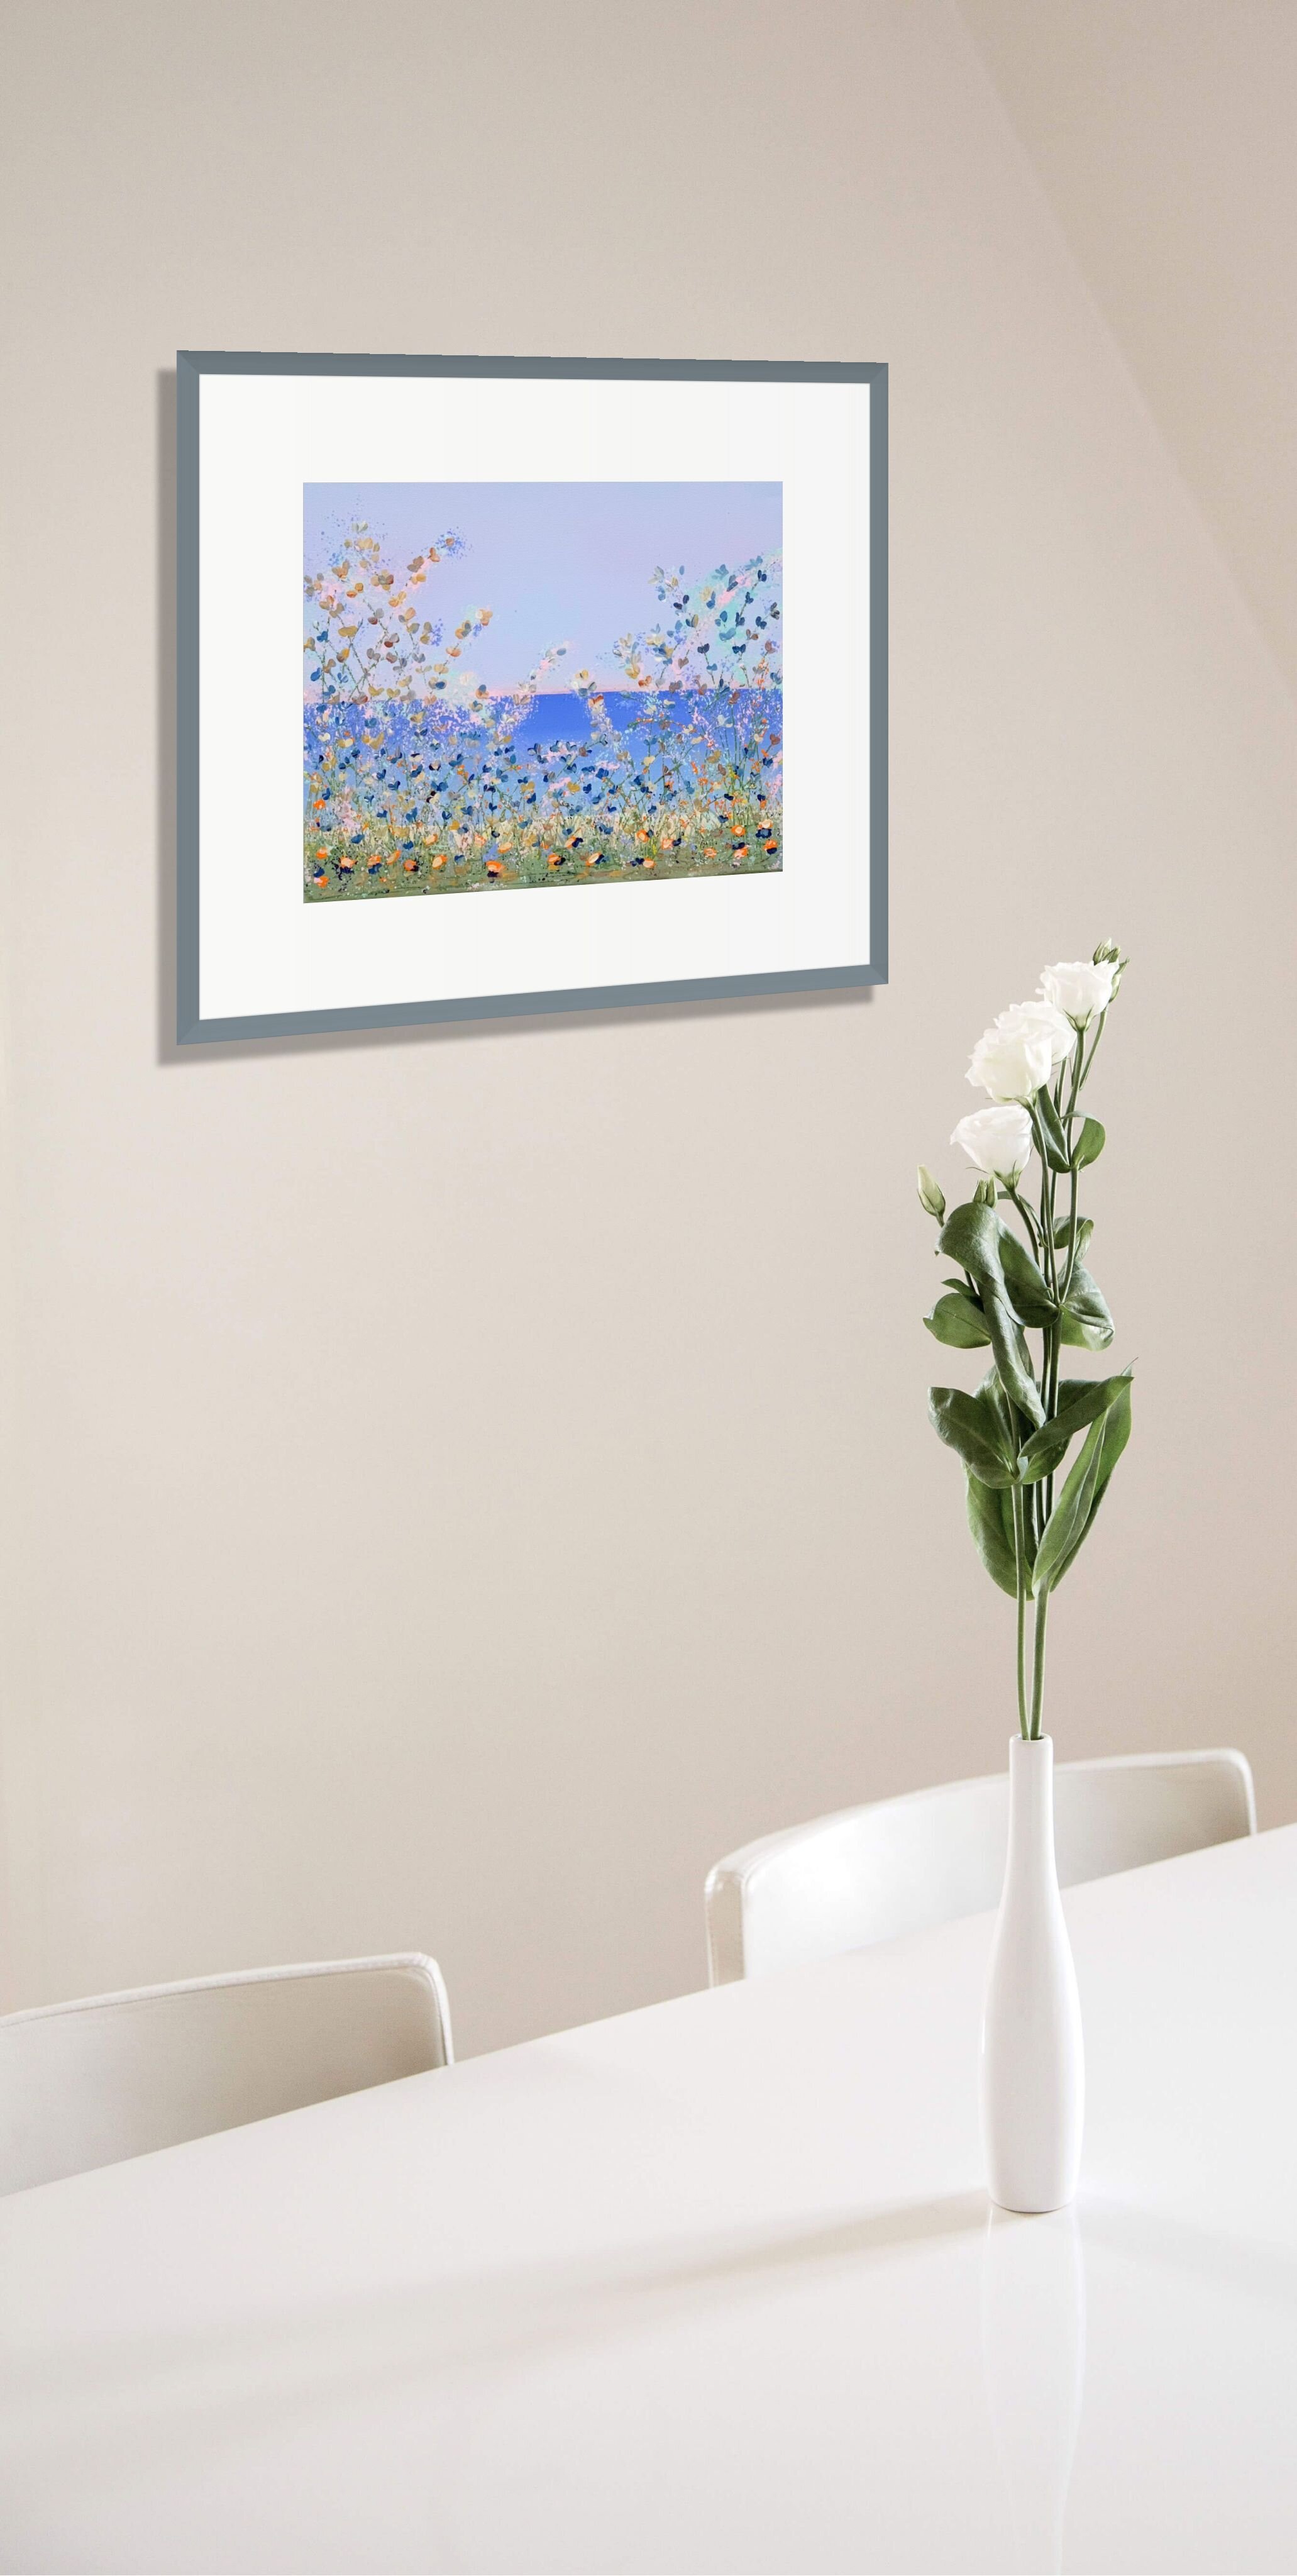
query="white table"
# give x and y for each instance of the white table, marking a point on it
(711, 2287)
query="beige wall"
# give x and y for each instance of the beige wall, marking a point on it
(465, 1482)
(1164, 131)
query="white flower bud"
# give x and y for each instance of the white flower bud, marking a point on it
(931, 1194)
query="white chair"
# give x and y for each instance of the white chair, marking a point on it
(869, 1873)
(89, 2083)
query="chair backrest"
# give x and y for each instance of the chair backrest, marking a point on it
(869, 1873)
(85, 2084)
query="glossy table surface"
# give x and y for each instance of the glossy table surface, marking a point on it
(713, 2286)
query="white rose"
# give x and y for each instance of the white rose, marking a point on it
(997, 1140)
(1047, 1021)
(1012, 1062)
(1079, 989)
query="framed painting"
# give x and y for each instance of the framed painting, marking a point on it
(521, 684)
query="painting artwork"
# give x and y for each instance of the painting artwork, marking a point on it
(525, 685)
(514, 685)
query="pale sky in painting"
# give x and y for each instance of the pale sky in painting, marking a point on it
(557, 562)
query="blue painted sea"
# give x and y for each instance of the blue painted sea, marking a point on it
(559, 715)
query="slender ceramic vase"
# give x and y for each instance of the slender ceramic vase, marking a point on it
(1033, 2067)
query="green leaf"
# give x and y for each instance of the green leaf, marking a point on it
(1052, 1130)
(970, 1428)
(1013, 1360)
(1072, 1518)
(957, 1320)
(1115, 1428)
(1087, 1323)
(1067, 1523)
(1084, 1230)
(1028, 1291)
(995, 1404)
(1070, 1388)
(973, 1236)
(1081, 1400)
(990, 1518)
(1089, 1144)
(993, 1537)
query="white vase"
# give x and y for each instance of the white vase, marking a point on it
(1033, 2065)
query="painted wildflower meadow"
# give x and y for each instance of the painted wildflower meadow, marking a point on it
(505, 687)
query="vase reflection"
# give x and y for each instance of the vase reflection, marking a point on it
(1033, 2358)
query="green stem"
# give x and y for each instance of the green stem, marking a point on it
(1071, 1245)
(1020, 1570)
(1084, 1075)
(1033, 1230)
(1078, 1077)
(1054, 1336)
(1038, 1666)
(1041, 1504)
(1049, 1333)
(1046, 1203)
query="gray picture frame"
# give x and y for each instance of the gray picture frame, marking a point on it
(191, 366)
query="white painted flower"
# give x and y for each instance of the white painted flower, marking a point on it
(463, 689)
(997, 1140)
(1079, 988)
